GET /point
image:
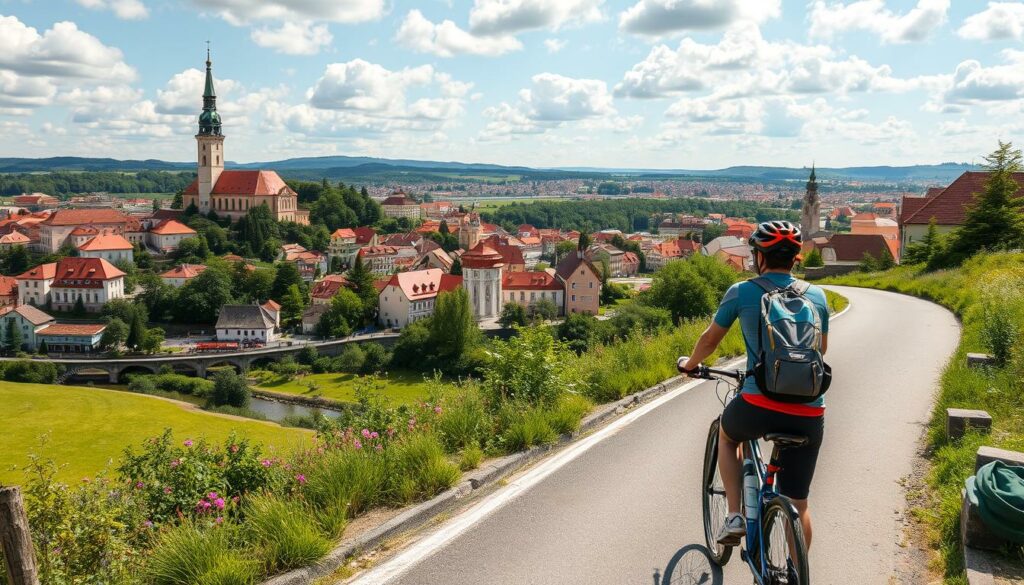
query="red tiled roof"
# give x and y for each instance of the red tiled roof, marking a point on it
(950, 206)
(84, 273)
(364, 234)
(14, 237)
(630, 258)
(41, 272)
(851, 247)
(271, 305)
(172, 227)
(8, 286)
(73, 329)
(245, 182)
(398, 199)
(184, 271)
(884, 205)
(64, 217)
(570, 263)
(424, 284)
(529, 281)
(84, 231)
(343, 233)
(912, 204)
(482, 256)
(328, 287)
(105, 242)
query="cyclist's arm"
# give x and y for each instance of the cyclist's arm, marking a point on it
(706, 345)
(824, 343)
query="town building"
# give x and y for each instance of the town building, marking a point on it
(388, 259)
(12, 239)
(311, 317)
(325, 289)
(109, 246)
(8, 291)
(167, 235)
(850, 249)
(28, 320)
(274, 310)
(530, 288)
(470, 231)
(344, 246)
(93, 281)
(181, 274)
(232, 193)
(55, 230)
(308, 263)
(36, 201)
(599, 254)
(400, 205)
(482, 277)
(246, 324)
(34, 285)
(411, 296)
(810, 213)
(71, 338)
(582, 284)
(630, 264)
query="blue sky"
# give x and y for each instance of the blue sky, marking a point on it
(613, 83)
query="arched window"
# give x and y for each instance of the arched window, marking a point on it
(204, 160)
(218, 159)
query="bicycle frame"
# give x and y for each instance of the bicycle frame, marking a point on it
(766, 492)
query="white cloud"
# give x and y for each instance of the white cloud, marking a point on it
(63, 51)
(503, 17)
(293, 38)
(364, 86)
(447, 39)
(123, 9)
(20, 91)
(828, 19)
(999, 21)
(556, 98)
(555, 45)
(238, 12)
(183, 93)
(974, 83)
(661, 17)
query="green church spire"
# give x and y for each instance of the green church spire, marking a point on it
(209, 120)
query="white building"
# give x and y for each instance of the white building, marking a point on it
(529, 288)
(246, 323)
(27, 319)
(168, 234)
(181, 274)
(399, 205)
(34, 285)
(481, 272)
(410, 296)
(109, 246)
(94, 281)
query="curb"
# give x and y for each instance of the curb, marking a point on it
(486, 475)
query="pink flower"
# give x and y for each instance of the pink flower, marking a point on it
(234, 499)
(366, 433)
(301, 479)
(219, 502)
(357, 444)
(374, 435)
(266, 463)
(437, 410)
(175, 463)
(139, 485)
(390, 432)
(234, 448)
(212, 495)
(167, 490)
(219, 519)
(188, 442)
(379, 447)
(147, 524)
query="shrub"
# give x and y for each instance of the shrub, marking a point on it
(30, 372)
(471, 457)
(307, 355)
(285, 531)
(418, 468)
(189, 555)
(635, 316)
(351, 359)
(142, 384)
(376, 358)
(525, 429)
(531, 368)
(230, 389)
(1002, 314)
(463, 421)
(565, 416)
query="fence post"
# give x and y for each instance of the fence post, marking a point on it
(15, 539)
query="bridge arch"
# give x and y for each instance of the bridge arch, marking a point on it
(132, 370)
(212, 368)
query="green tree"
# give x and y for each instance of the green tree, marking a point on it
(17, 261)
(563, 249)
(530, 368)
(179, 200)
(230, 389)
(814, 259)
(683, 291)
(635, 316)
(79, 308)
(292, 304)
(512, 314)
(192, 250)
(43, 348)
(457, 267)
(200, 299)
(114, 335)
(543, 310)
(886, 261)
(12, 337)
(868, 263)
(584, 242)
(412, 347)
(580, 332)
(136, 332)
(452, 329)
(995, 221)
(286, 276)
(345, 313)
(259, 230)
(153, 340)
(361, 280)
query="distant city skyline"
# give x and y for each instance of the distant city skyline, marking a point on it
(542, 83)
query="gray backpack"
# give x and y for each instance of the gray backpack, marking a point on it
(790, 366)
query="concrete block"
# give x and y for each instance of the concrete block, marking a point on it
(973, 531)
(989, 454)
(959, 420)
(977, 360)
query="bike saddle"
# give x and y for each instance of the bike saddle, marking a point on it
(783, 440)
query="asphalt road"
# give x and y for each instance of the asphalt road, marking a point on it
(627, 511)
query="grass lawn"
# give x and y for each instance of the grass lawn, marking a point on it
(88, 427)
(399, 387)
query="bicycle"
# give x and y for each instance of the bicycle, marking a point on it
(781, 558)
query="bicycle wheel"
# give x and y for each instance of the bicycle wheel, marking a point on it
(716, 509)
(784, 548)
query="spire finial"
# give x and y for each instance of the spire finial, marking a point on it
(208, 62)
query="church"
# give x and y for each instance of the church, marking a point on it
(233, 193)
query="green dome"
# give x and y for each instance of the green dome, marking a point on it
(209, 122)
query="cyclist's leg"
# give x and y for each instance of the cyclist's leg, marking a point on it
(805, 519)
(741, 422)
(798, 465)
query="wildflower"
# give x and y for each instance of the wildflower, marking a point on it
(147, 524)
(139, 485)
(374, 435)
(188, 442)
(234, 448)
(379, 447)
(212, 495)
(301, 479)
(167, 490)
(390, 432)
(357, 444)
(366, 433)
(175, 463)
(266, 463)
(437, 410)
(219, 502)
(234, 499)
(219, 519)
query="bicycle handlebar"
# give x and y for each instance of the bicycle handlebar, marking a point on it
(708, 373)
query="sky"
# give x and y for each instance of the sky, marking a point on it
(693, 84)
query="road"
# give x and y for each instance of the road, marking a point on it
(627, 510)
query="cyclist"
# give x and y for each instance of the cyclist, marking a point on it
(776, 246)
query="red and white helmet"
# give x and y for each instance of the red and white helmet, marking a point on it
(777, 237)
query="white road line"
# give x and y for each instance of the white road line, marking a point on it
(425, 547)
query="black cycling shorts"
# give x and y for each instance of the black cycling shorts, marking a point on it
(742, 421)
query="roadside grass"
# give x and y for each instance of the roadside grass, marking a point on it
(400, 387)
(836, 301)
(987, 293)
(88, 428)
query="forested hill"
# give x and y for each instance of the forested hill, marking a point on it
(623, 214)
(68, 182)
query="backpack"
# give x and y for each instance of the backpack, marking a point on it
(790, 366)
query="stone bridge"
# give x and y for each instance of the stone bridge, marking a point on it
(197, 364)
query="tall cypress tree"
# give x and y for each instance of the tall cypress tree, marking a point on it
(361, 280)
(136, 332)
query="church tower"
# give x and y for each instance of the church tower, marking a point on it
(810, 218)
(210, 143)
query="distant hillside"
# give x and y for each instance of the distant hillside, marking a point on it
(351, 167)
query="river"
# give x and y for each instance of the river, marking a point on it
(273, 410)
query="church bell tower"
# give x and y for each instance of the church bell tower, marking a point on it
(810, 217)
(209, 142)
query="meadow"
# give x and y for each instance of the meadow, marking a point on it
(397, 387)
(87, 428)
